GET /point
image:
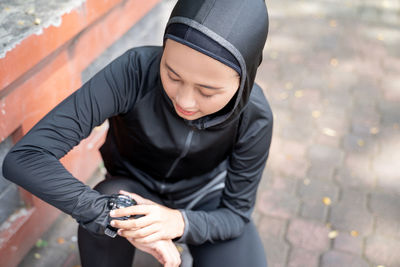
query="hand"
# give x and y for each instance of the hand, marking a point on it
(164, 251)
(159, 222)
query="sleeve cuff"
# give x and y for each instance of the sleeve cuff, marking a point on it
(182, 239)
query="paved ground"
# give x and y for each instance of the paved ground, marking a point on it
(330, 196)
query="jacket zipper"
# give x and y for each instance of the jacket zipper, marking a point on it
(183, 154)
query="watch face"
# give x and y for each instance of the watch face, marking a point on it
(116, 202)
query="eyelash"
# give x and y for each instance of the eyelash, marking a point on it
(201, 93)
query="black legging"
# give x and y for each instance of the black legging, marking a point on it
(103, 251)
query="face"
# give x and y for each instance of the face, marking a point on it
(197, 84)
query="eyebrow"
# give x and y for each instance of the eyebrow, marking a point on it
(201, 85)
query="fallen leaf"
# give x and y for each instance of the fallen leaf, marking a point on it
(20, 22)
(380, 37)
(316, 114)
(374, 130)
(333, 23)
(333, 234)
(307, 181)
(298, 93)
(37, 21)
(329, 132)
(327, 201)
(354, 233)
(334, 62)
(289, 85)
(179, 248)
(380, 266)
(396, 126)
(37, 256)
(328, 225)
(60, 240)
(360, 142)
(41, 243)
(7, 9)
(72, 246)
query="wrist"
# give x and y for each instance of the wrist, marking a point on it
(180, 224)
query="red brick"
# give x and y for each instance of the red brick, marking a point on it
(22, 58)
(104, 32)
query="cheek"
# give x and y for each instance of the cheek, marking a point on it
(169, 88)
(215, 104)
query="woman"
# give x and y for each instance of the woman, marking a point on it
(188, 140)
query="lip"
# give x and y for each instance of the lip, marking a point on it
(184, 112)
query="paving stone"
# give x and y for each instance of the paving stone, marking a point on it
(364, 120)
(278, 204)
(359, 144)
(277, 251)
(356, 172)
(306, 100)
(388, 176)
(282, 184)
(325, 156)
(388, 227)
(301, 257)
(321, 172)
(272, 227)
(390, 86)
(299, 130)
(351, 213)
(321, 138)
(290, 158)
(337, 258)
(385, 205)
(315, 190)
(383, 251)
(337, 122)
(348, 243)
(389, 112)
(308, 235)
(315, 211)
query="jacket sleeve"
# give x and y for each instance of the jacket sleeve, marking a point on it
(33, 162)
(245, 168)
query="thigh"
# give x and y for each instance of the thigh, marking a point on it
(112, 185)
(246, 250)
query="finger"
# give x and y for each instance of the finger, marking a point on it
(174, 255)
(139, 199)
(132, 210)
(150, 238)
(140, 233)
(168, 256)
(132, 224)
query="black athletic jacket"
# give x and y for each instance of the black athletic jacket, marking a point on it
(149, 141)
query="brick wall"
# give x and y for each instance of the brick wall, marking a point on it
(35, 76)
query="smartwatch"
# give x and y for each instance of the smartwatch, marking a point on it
(118, 201)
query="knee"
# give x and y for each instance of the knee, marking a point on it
(109, 187)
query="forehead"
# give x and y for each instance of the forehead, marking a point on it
(184, 59)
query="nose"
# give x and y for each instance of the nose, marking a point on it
(185, 98)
